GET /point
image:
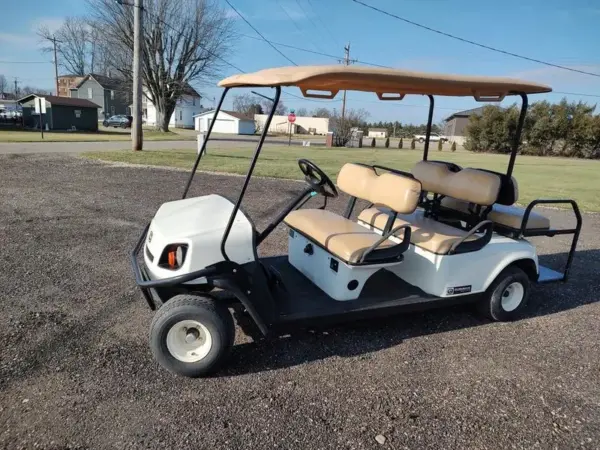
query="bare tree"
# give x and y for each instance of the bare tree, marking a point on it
(75, 45)
(247, 104)
(3, 85)
(184, 41)
(302, 112)
(267, 105)
(343, 128)
(26, 90)
(321, 112)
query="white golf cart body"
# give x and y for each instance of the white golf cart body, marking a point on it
(430, 236)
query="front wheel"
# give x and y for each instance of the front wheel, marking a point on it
(191, 335)
(507, 296)
(421, 140)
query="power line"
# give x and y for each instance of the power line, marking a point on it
(328, 55)
(295, 22)
(322, 23)
(259, 33)
(574, 93)
(527, 58)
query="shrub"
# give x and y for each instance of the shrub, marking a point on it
(387, 142)
(453, 148)
(412, 144)
(440, 145)
(373, 143)
(400, 143)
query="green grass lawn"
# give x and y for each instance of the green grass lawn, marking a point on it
(81, 136)
(537, 177)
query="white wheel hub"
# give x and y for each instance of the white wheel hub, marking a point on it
(189, 341)
(512, 296)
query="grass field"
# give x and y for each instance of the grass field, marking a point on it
(81, 136)
(537, 177)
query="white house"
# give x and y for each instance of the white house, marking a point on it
(302, 125)
(229, 122)
(377, 133)
(187, 107)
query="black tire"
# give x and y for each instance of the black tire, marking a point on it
(208, 312)
(503, 287)
(421, 140)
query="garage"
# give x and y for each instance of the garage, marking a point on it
(227, 122)
(60, 113)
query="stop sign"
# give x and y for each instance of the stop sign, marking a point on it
(291, 117)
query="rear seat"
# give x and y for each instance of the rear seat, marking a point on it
(344, 238)
(471, 185)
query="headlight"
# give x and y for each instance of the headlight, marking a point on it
(173, 256)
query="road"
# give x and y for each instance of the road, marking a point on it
(76, 370)
(222, 141)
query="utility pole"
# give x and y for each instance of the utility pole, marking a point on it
(16, 88)
(346, 61)
(137, 138)
(55, 65)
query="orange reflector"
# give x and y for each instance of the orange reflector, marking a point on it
(172, 258)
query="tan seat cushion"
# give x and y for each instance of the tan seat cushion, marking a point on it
(426, 233)
(398, 192)
(345, 239)
(509, 216)
(471, 185)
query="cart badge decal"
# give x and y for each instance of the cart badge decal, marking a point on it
(150, 237)
(459, 290)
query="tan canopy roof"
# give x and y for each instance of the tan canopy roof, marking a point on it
(383, 81)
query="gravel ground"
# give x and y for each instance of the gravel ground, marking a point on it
(76, 370)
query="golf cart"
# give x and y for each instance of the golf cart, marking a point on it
(436, 235)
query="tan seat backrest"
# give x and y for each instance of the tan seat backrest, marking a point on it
(397, 192)
(470, 185)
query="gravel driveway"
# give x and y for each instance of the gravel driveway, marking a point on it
(76, 370)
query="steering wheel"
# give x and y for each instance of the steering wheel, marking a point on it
(317, 179)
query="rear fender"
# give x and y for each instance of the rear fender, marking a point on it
(526, 261)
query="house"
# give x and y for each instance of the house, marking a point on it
(378, 133)
(302, 124)
(62, 113)
(456, 124)
(229, 122)
(112, 95)
(187, 107)
(66, 83)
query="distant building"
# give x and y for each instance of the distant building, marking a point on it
(456, 124)
(112, 95)
(378, 133)
(66, 83)
(62, 113)
(302, 124)
(188, 106)
(228, 122)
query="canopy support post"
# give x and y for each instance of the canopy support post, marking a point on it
(429, 123)
(517, 139)
(201, 152)
(249, 174)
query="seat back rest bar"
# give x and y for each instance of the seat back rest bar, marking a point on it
(523, 232)
(249, 174)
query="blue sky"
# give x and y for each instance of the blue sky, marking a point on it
(565, 33)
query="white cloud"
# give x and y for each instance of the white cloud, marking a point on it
(52, 23)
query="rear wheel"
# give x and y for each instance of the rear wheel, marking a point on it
(191, 335)
(507, 296)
